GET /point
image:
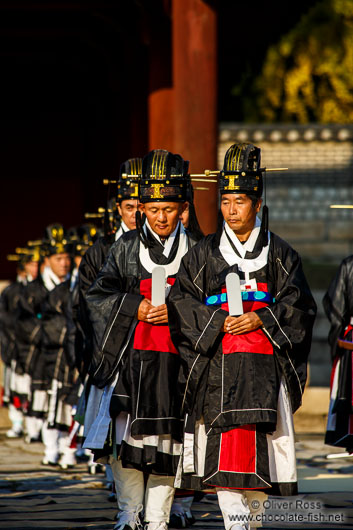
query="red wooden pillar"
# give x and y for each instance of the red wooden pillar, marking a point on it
(160, 98)
(160, 109)
(194, 53)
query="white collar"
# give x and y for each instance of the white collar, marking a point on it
(122, 229)
(74, 278)
(168, 243)
(173, 267)
(250, 243)
(232, 258)
(50, 279)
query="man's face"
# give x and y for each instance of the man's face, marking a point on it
(239, 213)
(21, 272)
(127, 211)
(163, 217)
(31, 269)
(59, 264)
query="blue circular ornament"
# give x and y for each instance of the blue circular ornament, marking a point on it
(212, 299)
(259, 295)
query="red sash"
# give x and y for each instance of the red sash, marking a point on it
(150, 337)
(252, 342)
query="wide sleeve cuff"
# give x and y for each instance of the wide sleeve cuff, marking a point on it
(211, 331)
(130, 304)
(272, 327)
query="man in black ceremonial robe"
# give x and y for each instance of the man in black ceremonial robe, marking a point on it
(41, 331)
(244, 375)
(94, 258)
(16, 380)
(126, 198)
(138, 421)
(338, 306)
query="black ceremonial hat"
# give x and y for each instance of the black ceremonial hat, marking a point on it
(241, 171)
(81, 238)
(129, 175)
(25, 254)
(164, 177)
(35, 250)
(55, 240)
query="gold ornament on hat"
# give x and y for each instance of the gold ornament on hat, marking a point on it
(342, 206)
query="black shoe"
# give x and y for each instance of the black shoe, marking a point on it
(112, 497)
(82, 458)
(191, 520)
(178, 520)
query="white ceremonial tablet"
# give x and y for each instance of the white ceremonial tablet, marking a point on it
(158, 286)
(235, 302)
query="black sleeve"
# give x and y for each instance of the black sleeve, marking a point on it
(28, 326)
(338, 302)
(81, 338)
(112, 312)
(7, 323)
(288, 322)
(54, 323)
(29, 314)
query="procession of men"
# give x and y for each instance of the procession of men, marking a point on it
(173, 358)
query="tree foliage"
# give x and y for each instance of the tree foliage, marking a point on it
(308, 75)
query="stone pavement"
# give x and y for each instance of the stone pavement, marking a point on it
(36, 497)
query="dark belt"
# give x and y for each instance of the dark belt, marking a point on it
(247, 296)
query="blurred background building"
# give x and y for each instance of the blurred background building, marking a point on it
(87, 84)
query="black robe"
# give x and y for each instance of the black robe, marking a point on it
(338, 302)
(42, 332)
(80, 335)
(233, 382)
(82, 340)
(8, 303)
(15, 393)
(28, 326)
(338, 306)
(147, 361)
(57, 361)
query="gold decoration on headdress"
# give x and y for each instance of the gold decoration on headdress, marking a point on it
(157, 191)
(109, 181)
(204, 177)
(33, 254)
(158, 165)
(103, 210)
(13, 257)
(57, 233)
(100, 214)
(133, 183)
(93, 215)
(59, 247)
